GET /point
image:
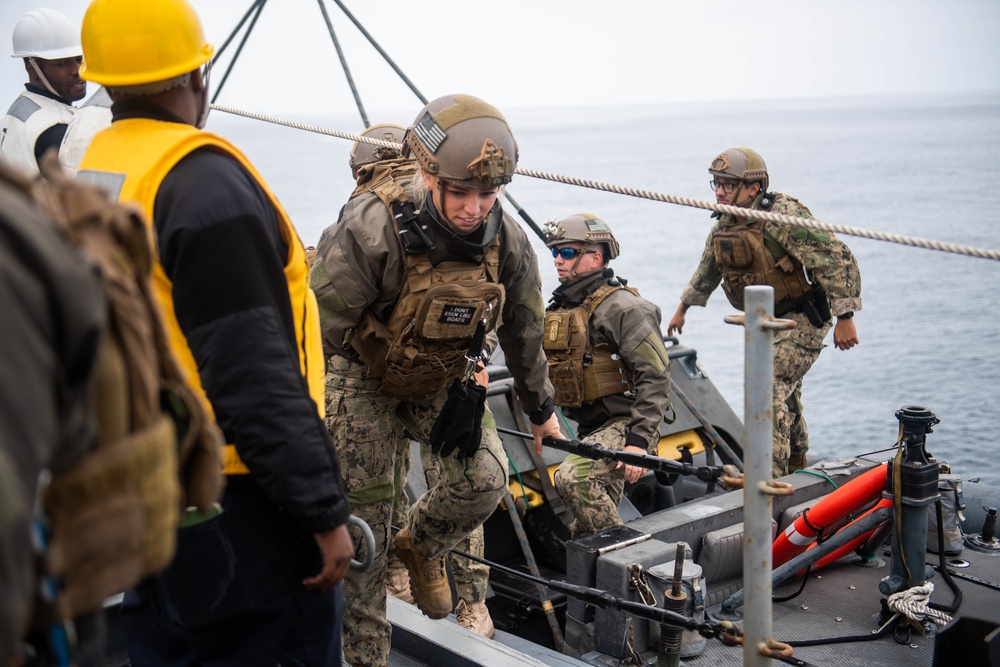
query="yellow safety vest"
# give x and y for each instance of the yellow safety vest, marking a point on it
(131, 159)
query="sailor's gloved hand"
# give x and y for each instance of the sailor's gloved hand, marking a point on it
(459, 427)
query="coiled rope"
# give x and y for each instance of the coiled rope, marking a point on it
(809, 223)
(912, 603)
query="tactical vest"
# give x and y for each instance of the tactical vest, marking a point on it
(422, 348)
(131, 159)
(383, 177)
(580, 372)
(113, 515)
(745, 260)
(29, 116)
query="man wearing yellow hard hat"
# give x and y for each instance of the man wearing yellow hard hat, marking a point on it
(258, 582)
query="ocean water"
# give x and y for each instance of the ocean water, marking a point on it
(921, 166)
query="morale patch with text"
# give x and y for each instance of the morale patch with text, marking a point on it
(455, 314)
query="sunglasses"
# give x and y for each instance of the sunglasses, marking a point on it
(569, 253)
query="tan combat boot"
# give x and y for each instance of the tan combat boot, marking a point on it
(475, 617)
(397, 581)
(428, 578)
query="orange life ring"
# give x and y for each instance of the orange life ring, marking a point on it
(858, 492)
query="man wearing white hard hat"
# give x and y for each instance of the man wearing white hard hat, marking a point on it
(38, 118)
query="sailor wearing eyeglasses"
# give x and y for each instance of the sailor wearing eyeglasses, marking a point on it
(607, 364)
(814, 276)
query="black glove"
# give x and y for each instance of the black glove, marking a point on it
(460, 424)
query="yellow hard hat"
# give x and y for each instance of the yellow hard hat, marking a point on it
(134, 42)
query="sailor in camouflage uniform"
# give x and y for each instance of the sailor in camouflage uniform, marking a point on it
(368, 162)
(607, 364)
(814, 276)
(415, 270)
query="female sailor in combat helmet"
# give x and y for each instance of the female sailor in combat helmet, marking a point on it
(409, 280)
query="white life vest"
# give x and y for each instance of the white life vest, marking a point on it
(92, 117)
(29, 116)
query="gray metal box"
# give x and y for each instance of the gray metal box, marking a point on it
(613, 627)
(581, 562)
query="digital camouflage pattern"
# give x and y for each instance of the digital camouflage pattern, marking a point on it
(831, 264)
(795, 351)
(630, 327)
(464, 495)
(361, 267)
(593, 489)
(827, 259)
(471, 578)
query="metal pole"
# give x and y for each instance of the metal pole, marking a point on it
(713, 435)
(758, 422)
(758, 432)
(529, 556)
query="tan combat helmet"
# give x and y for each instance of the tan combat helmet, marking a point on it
(584, 228)
(363, 153)
(463, 140)
(741, 163)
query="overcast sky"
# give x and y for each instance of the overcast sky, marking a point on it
(545, 53)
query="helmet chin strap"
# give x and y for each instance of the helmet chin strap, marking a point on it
(573, 274)
(206, 105)
(746, 202)
(45, 81)
(444, 218)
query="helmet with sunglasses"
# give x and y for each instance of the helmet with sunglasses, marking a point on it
(363, 153)
(582, 228)
(743, 164)
(463, 140)
(128, 43)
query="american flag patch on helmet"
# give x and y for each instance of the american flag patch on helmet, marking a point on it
(430, 133)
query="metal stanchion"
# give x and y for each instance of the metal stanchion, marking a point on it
(758, 423)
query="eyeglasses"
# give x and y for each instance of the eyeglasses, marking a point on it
(728, 187)
(570, 253)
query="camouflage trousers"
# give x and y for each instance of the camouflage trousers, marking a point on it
(366, 429)
(593, 489)
(471, 578)
(795, 351)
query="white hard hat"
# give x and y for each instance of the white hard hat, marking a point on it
(46, 34)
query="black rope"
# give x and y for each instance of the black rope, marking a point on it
(805, 575)
(850, 639)
(605, 600)
(420, 96)
(343, 64)
(381, 51)
(253, 6)
(879, 451)
(239, 49)
(524, 215)
(943, 569)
